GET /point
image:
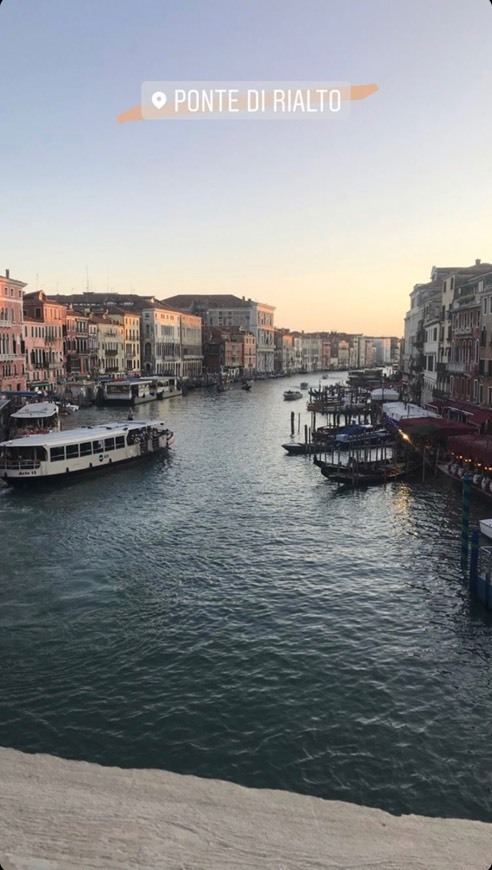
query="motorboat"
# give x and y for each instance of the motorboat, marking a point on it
(291, 395)
(486, 528)
(304, 385)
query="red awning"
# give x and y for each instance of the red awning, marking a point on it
(433, 426)
(475, 416)
(477, 447)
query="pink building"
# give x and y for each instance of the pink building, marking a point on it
(44, 310)
(12, 372)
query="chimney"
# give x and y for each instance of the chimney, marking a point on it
(477, 263)
(7, 273)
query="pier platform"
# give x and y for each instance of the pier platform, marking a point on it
(67, 815)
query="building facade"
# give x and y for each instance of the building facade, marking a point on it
(38, 372)
(160, 339)
(77, 344)
(12, 348)
(110, 345)
(45, 310)
(227, 311)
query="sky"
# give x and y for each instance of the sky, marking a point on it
(333, 222)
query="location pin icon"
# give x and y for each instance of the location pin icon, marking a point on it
(159, 99)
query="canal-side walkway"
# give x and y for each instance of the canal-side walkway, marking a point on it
(61, 815)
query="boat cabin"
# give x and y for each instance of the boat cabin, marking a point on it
(34, 419)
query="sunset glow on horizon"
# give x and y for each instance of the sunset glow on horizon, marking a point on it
(332, 223)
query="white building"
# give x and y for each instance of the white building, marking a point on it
(228, 311)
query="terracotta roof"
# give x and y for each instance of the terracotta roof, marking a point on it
(213, 300)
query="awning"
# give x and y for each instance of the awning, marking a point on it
(477, 447)
(475, 416)
(428, 426)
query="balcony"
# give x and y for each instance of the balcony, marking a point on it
(7, 357)
(5, 322)
(111, 352)
(419, 338)
(463, 330)
(460, 368)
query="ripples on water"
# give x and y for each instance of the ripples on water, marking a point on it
(229, 613)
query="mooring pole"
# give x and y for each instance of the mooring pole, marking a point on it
(292, 422)
(465, 519)
(474, 562)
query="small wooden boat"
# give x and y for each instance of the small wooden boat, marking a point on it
(299, 448)
(371, 475)
(291, 395)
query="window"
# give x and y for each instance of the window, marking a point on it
(57, 454)
(109, 444)
(120, 441)
(97, 446)
(72, 451)
(484, 306)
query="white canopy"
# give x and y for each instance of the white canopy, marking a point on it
(36, 410)
(385, 395)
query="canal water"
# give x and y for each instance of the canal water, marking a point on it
(229, 613)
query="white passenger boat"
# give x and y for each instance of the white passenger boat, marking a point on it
(63, 455)
(33, 419)
(136, 391)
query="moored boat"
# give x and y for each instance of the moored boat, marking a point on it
(370, 474)
(137, 391)
(89, 449)
(33, 419)
(299, 448)
(486, 528)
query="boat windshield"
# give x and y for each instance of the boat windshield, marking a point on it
(25, 457)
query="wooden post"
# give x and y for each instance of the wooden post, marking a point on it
(474, 562)
(292, 423)
(465, 519)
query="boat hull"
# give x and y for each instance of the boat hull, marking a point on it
(356, 480)
(92, 470)
(58, 457)
(299, 449)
